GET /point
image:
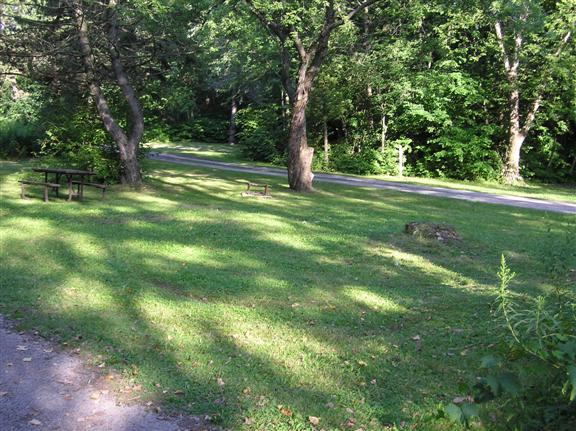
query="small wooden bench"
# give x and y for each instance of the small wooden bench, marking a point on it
(47, 186)
(263, 192)
(82, 184)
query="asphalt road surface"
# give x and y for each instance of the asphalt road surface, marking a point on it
(489, 198)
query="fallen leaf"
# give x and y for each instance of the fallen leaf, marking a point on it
(22, 348)
(35, 422)
(27, 360)
(179, 392)
(350, 422)
(50, 350)
(313, 420)
(329, 405)
(220, 382)
(95, 395)
(416, 338)
(3, 393)
(373, 381)
(459, 400)
(247, 391)
(247, 421)
(284, 410)
(349, 410)
(362, 363)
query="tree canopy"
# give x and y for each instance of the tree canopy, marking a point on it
(467, 90)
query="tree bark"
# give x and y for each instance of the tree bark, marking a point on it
(326, 142)
(232, 124)
(311, 58)
(517, 132)
(300, 155)
(384, 132)
(400, 161)
(127, 145)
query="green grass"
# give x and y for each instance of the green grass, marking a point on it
(305, 301)
(232, 154)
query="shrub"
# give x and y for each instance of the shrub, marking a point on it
(542, 333)
(203, 129)
(20, 125)
(261, 135)
(82, 143)
(365, 162)
(462, 153)
(18, 138)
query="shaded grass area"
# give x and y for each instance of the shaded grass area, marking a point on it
(230, 306)
(232, 154)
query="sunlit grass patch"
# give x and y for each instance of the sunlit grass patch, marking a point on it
(230, 306)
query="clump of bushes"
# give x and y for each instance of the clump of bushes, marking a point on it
(81, 142)
(541, 336)
(261, 136)
(20, 125)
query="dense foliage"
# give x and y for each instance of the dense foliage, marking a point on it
(427, 76)
(530, 382)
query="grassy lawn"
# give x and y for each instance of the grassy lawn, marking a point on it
(232, 154)
(264, 312)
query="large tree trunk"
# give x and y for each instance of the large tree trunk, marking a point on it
(232, 122)
(127, 145)
(516, 137)
(300, 155)
(326, 142)
(512, 166)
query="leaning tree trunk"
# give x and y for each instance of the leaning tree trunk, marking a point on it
(127, 145)
(300, 155)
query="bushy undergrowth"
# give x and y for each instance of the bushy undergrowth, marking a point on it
(20, 125)
(530, 382)
(261, 134)
(84, 144)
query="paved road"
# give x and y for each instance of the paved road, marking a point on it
(514, 201)
(44, 389)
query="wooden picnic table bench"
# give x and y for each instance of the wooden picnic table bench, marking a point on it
(263, 192)
(69, 174)
(82, 184)
(47, 185)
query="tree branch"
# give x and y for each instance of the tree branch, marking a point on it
(500, 37)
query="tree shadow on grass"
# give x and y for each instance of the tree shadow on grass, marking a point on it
(202, 285)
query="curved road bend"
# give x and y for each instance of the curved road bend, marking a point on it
(514, 201)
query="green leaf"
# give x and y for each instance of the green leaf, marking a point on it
(509, 383)
(494, 384)
(572, 377)
(454, 413)
(491, 361)
(470, 411)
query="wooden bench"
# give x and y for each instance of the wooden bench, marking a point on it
(263, 192)
(82, 184)
(47, 186)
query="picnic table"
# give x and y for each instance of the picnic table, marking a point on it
(70, 174)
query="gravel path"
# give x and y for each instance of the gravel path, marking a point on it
(514, 201)
(43, 389)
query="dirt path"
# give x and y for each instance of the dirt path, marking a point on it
(513, 201)
(43, 389)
